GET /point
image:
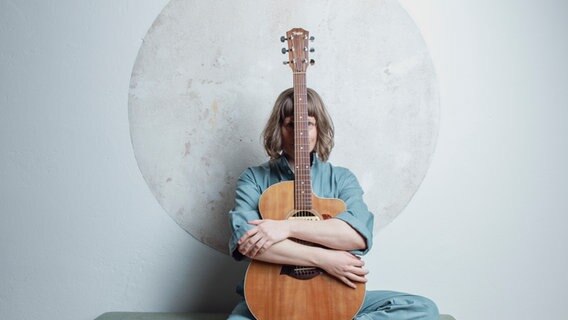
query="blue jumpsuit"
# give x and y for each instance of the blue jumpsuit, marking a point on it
(328, 181)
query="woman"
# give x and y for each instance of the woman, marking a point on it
(343, 238)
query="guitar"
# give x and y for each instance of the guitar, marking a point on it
(273, 291)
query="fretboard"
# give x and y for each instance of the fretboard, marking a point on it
(302, 181)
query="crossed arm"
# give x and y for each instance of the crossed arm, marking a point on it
(269, 241)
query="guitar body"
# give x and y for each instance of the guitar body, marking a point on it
(277, 292)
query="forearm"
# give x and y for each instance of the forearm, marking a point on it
(292, 253)
(340, 264)
(332, 233)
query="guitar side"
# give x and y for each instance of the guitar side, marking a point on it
(273, 295)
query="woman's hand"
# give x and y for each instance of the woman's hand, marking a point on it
(344, 266)
(263, 236)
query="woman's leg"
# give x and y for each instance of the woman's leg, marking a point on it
(378, 305)
(383, 305)
(241, 312)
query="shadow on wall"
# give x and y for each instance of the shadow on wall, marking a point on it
(207, 286)
(209, 283)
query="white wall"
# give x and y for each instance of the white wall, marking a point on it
(81, 234)
(485, 235)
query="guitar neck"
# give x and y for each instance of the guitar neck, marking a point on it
(302, 181)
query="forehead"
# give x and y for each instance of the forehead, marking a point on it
(287, 107)
(291, 119)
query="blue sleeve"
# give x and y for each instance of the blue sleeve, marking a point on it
(246, 209)
(357, 215)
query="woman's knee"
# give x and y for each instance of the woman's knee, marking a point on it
(427, 306)
(404, 305)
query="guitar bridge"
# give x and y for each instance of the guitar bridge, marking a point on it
(300, 273)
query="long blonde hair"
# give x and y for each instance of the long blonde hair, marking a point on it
(284, 107)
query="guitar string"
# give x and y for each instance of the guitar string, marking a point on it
(303, 191)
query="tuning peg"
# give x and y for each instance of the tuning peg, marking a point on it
(312, 38)
(285, 62)
(284, 50)
(312, 49)
(283, 39)
(312, 62)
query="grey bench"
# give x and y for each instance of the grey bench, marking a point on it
(181, 316)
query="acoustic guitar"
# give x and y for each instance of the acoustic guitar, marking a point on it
(273, 291)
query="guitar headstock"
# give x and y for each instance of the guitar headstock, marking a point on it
(298, 49)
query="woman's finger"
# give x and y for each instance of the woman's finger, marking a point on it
(356, 278)
(248, 244)
(257, 247)
(359, 271)
(348, 283)
(255, 222)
